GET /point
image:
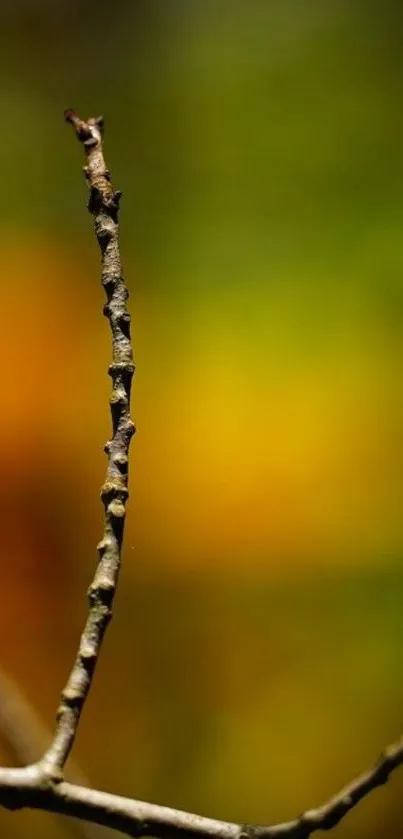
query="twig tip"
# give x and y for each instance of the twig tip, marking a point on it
(69, 115)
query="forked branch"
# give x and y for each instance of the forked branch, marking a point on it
(42, 785)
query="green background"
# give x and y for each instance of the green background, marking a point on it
(254, 662)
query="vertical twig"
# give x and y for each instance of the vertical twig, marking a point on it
(104, 206)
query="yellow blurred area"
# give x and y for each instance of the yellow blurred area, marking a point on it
(246, 476)
(242, 465)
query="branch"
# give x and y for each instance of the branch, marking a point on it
(41, 785)
(29, 787)
(104, 206)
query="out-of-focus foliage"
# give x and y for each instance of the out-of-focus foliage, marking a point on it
(254, 663)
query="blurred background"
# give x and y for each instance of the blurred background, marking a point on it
(254, 664)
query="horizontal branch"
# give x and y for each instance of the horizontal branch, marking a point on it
(34, 787)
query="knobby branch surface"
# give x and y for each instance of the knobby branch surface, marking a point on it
(30, 787)
(42, 785)
(104, 206)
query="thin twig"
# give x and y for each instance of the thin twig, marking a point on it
(104, 206)
(41, 785)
